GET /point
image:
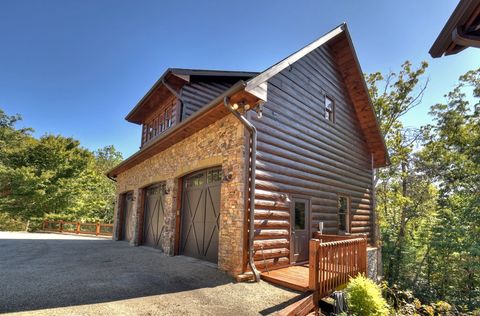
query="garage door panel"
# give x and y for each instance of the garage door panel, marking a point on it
(154, 216)
(127, 230)
(200, 215)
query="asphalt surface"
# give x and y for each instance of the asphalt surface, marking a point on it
(53, 274)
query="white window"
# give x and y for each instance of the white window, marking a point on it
(329, 109)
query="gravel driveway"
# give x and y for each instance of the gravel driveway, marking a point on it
(53, 274)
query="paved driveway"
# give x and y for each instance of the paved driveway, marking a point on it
(52, 274)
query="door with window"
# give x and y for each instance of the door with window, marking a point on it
(300, 220)
(200, 215)
(154, 216)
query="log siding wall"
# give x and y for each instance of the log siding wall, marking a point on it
(197, 94)
(301, 153)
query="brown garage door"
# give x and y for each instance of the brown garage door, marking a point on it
(200, 215)
(127, 230)
(153, 216)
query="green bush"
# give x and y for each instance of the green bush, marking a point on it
(9, 223)
(364, 298)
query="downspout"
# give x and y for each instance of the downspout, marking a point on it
(253, 136)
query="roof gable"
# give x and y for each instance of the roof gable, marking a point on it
(341, 44)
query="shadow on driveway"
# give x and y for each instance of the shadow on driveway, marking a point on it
(39, 271)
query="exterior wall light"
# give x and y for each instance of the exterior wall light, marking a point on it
(228, 176)
(259, 110)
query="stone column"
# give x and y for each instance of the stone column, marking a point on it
(116, 217)
(169, 207)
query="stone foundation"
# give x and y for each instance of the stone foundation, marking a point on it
(374, 262)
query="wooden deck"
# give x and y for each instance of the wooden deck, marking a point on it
(292, 277)
(332, 261)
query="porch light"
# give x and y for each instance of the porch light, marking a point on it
(259, 110)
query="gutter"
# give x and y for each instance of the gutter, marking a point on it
(463, 39)
(253, 137)
(110, 177)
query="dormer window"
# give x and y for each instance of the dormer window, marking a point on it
(159, 122)
(329, 109)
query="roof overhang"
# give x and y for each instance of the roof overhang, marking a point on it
(341, 43)
(176, 78)
(462, 30)
(207, 115)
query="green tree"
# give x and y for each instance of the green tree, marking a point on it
(400, 193)
(451, 158)
(53, 176)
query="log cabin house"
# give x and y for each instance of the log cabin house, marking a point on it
(300, 139)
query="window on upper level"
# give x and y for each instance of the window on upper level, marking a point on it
(329, 109)
(159, 123)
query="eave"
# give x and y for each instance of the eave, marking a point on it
(462, 30)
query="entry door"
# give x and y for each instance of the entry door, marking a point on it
(127, 231)
(154, 216)
(200, 215)
(300, 229)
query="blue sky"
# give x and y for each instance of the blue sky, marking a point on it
(76, 68)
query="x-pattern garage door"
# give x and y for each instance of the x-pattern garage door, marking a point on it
(200, 215)
(154, 216)
(127, 229)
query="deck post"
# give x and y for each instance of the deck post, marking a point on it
(313, 272)
(364, 256)
(313, 263)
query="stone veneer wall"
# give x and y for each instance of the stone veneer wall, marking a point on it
(374, 263)
(220, 144)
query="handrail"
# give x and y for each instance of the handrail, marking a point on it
(332, 263)
(63, 228)
(327, 238)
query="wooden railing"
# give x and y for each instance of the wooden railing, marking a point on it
(78, 228)
(332, 263)
(333, 259)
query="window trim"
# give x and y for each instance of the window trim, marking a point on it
(325, 97)
(347, 231)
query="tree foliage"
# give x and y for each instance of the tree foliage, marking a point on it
(53, 176)
(428, 198)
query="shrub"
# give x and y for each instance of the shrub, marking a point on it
(364, 298)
